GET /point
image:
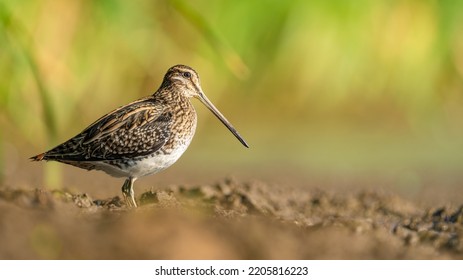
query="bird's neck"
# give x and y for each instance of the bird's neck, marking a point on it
(172, 95)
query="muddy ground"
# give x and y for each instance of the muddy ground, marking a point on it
(226, 220)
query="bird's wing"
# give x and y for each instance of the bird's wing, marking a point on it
(137, 129)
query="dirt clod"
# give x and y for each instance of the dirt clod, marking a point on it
(231, 220)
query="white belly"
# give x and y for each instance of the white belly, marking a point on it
(143, 167)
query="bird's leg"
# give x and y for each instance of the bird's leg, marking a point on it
(129, 194)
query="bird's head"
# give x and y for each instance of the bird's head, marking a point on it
(184, 78)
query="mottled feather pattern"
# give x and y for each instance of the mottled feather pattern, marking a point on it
(138, 129)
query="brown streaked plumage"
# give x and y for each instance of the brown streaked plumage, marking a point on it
(142, 137)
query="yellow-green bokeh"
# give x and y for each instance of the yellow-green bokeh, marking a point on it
(322, 85)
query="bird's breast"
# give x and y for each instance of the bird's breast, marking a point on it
(181, 130)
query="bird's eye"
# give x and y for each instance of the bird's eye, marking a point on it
(186, 75)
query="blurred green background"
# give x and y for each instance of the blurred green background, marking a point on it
(315, 87)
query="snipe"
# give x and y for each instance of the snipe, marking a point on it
(143, 137)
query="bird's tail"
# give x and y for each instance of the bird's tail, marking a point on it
(37, 157)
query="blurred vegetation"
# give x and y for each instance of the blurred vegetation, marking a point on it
(321, 84)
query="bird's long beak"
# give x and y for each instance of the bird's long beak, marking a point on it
(202, 97)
